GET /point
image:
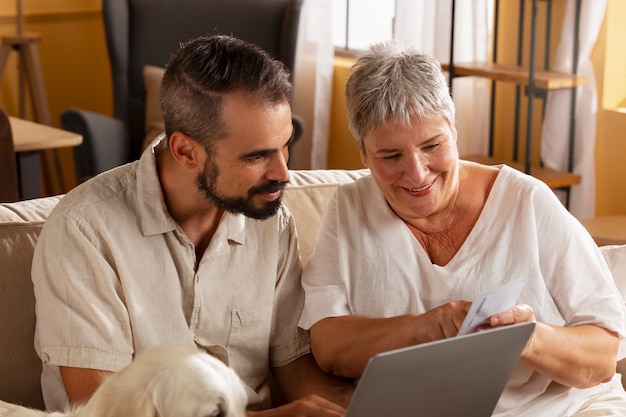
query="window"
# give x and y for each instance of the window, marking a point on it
(359, 23)
(614, 88)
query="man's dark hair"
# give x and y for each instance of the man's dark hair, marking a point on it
(203, 70)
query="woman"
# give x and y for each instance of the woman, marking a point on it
(400, 252)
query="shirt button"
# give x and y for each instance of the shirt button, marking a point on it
(196, 338)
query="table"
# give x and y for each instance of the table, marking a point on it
(607, 230)
(29, 139)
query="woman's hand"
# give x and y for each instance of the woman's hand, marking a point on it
(441, 322)
(520, 313)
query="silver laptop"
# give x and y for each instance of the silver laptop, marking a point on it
(459, 376)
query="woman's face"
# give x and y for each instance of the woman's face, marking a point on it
(415, 167)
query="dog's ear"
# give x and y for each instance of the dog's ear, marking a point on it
(220, 409)
(147, 408)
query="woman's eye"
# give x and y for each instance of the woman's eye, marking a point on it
(391, 157)
(432, 147)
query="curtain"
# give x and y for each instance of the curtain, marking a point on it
(555, 128)
(312, 79)
(426, 25)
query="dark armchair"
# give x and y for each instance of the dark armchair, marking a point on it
(146, 32)
(9, 188)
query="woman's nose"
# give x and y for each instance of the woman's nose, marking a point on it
(417, 167)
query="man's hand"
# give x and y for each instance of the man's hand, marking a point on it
(310, 406)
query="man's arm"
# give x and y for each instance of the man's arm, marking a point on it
(304, 377)
(308, 391)
(80, 384)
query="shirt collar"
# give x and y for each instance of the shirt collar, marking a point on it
(153, 214)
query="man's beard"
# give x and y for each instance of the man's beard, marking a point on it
(206, 183)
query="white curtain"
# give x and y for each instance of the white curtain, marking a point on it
(555, 128)
(426, 25)
(313, 84)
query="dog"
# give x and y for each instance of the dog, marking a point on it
(165, 381)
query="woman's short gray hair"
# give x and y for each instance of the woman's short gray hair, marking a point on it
(392, 82)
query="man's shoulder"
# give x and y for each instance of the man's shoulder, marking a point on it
(111, 187)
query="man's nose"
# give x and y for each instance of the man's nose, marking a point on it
(279, 170)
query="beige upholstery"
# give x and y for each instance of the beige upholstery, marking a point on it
(154, 124)
(20, 368)
(20, 225)
(307, 199)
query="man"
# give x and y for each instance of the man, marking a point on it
(189, 245)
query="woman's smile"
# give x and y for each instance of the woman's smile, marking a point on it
(421, 190)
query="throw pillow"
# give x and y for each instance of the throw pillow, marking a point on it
(152, 77)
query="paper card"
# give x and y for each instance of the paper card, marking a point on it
(489, 303)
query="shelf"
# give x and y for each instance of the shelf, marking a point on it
(554, 179)
(546, 80)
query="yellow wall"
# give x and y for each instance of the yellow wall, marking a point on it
(342, 149)
(611, 125)
(608, 56)
(73, 60)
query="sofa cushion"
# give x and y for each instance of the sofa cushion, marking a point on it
(307, 196)
(615, 256)
(20, 225)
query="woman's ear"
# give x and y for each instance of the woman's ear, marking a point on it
(364, 159)
(186, 151)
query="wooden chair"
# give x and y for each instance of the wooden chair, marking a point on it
(9, 185)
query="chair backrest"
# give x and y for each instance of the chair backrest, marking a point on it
(9, 185)
(146, 32)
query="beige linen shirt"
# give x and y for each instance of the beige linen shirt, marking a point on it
(114, 274)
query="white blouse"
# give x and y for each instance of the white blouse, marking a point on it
(367, 262)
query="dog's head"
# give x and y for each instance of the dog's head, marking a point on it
(171, 381)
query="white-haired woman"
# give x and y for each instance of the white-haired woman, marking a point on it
(400, 252)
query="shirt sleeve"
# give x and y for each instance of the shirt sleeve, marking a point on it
(322, 278)
(81, 317)
(577, 275)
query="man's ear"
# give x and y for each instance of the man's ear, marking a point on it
(186, 151)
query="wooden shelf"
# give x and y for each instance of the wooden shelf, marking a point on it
(554, 179)
(546, 80)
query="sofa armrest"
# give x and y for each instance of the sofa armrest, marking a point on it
(20, 367)
(106, 142)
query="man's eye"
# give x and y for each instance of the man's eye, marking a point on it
(256, 158)
(291, 139)
(391, 157)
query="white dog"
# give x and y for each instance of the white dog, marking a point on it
(166, 381)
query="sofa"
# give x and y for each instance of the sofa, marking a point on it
(20, 224)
